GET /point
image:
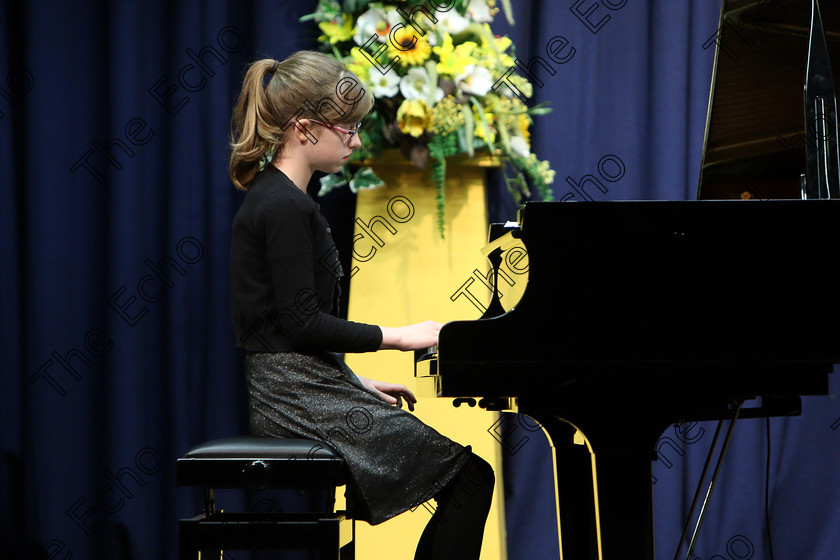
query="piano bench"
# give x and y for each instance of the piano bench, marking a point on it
(253, 463)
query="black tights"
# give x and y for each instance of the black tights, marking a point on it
(456, 529)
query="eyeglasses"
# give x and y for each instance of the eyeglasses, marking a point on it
(338, 128)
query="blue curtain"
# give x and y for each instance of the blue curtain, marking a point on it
(116, 210)
(114, 232)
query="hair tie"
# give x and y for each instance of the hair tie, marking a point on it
(274, 68)
(267, 157)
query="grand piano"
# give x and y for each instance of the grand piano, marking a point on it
(638, 315)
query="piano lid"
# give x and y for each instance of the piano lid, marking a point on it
(755, 144)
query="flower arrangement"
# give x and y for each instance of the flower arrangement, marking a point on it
(433, 82)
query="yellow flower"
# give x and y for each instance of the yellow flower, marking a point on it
(503, 42)
(492, 53)
(359, 64)
(444, 53)
(481, 130)
(446, 116)
(414, 49)
(506, 60)
(542, 169)
(524, 121)
(513, 115)
(359, 58)
(520, 83)
(335, 31)
(413, 117)
(464, 51)
(454, 60)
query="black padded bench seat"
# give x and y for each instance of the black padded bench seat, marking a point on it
(258, 464)
(261, 463)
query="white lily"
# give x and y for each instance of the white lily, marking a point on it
(451, 22)
(377, 22)
(476, 80)
(384, 85)
(519, 146)
(416, 83)
(479, 11)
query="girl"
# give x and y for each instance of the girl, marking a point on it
(284, 296)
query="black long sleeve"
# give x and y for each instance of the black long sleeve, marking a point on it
(284, 275)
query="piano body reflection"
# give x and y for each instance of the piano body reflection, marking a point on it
(641, 314)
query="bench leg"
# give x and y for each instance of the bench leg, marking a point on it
(187, 545)
(329, 540)
(186, 551)
(348, 551)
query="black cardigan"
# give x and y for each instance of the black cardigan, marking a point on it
(284, 275)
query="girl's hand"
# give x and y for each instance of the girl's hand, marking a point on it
(389, 392)
(411, 337)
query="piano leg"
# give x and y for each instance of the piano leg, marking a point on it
(575, 507)
(604, 502)
(625, 504)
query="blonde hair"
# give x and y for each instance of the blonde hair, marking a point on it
(307, 84)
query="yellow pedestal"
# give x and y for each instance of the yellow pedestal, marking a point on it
(404, 273)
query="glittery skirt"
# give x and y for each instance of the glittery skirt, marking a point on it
(395, 461)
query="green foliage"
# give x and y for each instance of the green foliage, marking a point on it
(332, 181)
(539, 173)
(365, 178)
(441, 147)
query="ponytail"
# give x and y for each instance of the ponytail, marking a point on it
(262, 114)
(252, 130)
